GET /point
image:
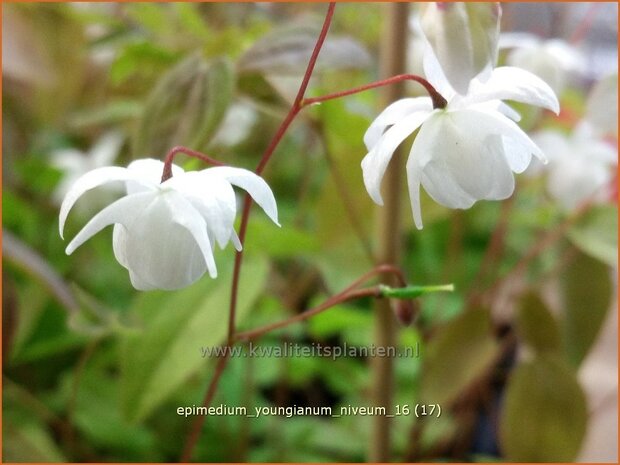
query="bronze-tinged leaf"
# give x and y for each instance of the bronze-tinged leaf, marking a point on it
(544, 414)
(596, 234)
(460, 352)
(185, 107)
(287, 50)
(536, 326)
(586, 292)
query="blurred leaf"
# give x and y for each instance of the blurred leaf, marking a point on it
(290, 241)
(30, 261)
(152, 17)
(190, 19)
(98, 417)
(157, 360)
(23, 51)
(586, 287)
(185, 107)
(458, 354)
(29, 442)
(288, 49)
(337, 319)
(138, 57)
(596, 234)
(65, 55)
(536, 326)
(112, 112)
(544, 416)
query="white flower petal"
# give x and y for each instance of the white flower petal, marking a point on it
(213, 197)
(463, 37)
(510, 83)
(519, 146)
(119, 244)
(253, 184)
(187, 216)
(94, 179)
(375, 162)
(458, 162)
(495, 105)
(392, 114)
(122, 211)
(167, 246)
(413, 183)
(151, 169)
(434, 74)
(235, 240)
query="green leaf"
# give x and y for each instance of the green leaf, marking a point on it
(157, 360)
(586, 288)
(291, 240)
(544, 416)
(596, 234)
(461, 351)
(139, 56)
(113, 112)
(30, 442)
(536, 326)
(185, 107)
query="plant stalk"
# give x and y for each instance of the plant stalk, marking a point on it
(393, 62)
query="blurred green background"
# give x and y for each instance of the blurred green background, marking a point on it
(94, 371)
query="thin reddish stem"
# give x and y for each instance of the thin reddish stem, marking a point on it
(349, 293)
(167, 174)
(329, 303)
(265, 159)
(438, 100)
(194, 435)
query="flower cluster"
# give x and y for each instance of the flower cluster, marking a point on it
(467, 150)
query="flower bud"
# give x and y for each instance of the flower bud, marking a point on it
(406, 311)
(464, 38)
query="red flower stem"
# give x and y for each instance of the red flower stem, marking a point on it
(333, 301)
(194, 433)
(438, 100)
(350, 293)
(265, 159)
(167, 174)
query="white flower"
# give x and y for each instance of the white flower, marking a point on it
(75, 163)
(164, 233)
(551, 60)
(580, 165)
(463, 36)
(464, 152)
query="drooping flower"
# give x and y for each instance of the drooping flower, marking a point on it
(552, 60)
(580, 165)
(464, 152)
(165, 232)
